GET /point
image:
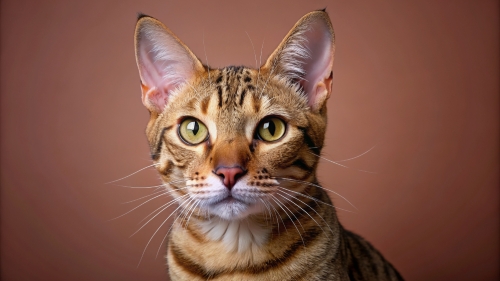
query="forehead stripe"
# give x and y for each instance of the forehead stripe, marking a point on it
(243, 93)
(155, 154)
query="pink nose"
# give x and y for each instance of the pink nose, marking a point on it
(229, 175)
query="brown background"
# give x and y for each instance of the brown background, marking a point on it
(416, 79)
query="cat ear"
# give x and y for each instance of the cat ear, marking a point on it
(164, 62)
(305, 56)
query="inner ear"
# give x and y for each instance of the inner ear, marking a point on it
(164, 62)
(305, 56)
(318, 65)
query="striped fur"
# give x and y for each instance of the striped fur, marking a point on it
(277, 223)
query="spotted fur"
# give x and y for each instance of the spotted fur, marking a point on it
(276, 222)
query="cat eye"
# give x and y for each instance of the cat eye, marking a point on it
(192, 131)
(271, 129)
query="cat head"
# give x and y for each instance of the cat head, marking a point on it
(224, 140)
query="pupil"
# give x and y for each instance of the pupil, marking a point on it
(271, 127)
(196, 128)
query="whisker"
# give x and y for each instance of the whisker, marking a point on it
(358, 155)
(254, 54)
(319, 186)
(187, 210)
(160, 206)
(183, 212)
(268, 211)
(260, 64)
(138, 206)
(317, 200)
(291, 201)
(280, 205)
(140, 187)
(311, 209)
(156, 192)
(268, 78)
(190, 200)
(344, 166)
(268, 207)
(271, 208)
(278, 216)
(369, 172)
(133, 173)
(194, 89)
(180, 205)
(293, 214)
(164, 208)
(331, 161)
(194, 209)
(152, 186)
(206, 58)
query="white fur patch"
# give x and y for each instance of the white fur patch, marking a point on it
(237, 235)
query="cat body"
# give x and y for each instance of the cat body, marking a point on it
(238, 150)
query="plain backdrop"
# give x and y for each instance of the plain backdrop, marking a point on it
(417, 82)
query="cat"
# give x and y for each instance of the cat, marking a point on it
(238, 150)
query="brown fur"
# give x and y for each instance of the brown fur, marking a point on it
(303, 239)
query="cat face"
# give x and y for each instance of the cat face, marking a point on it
(222, 139)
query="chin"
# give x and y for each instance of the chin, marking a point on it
(233, 209)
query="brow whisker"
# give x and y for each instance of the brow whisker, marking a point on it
(260, 65)
(254, 54)
(195, 91)
(268, 78)
(206, 58)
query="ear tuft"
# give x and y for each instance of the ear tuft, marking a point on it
(305, 57)
(141, 15)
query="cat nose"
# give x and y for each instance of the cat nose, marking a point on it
(229, 175)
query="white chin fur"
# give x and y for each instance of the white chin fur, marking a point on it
(231, 224)
(234, 209)
(236, 235)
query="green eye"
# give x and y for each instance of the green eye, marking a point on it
(193, 131)
(271, 129)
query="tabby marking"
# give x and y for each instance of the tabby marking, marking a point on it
(238, 150)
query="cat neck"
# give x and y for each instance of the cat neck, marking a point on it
(236, 235)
